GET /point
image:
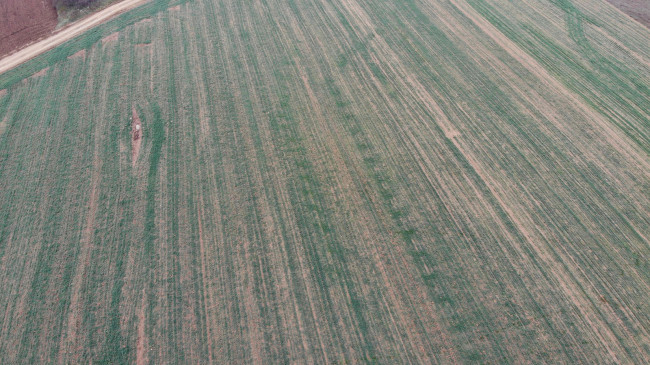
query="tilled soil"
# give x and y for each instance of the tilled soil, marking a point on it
(24, 21)
(637, 9)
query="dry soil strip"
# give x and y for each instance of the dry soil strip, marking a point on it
(66, 34)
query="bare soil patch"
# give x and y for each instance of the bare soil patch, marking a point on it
(3, 92)
(144, 21)
(110, 38)
(141, 346)
(136, 136)
(3, 126)
(24, 21)
(637, 9)
(41, 72)
(81, 54)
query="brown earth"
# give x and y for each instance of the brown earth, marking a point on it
(41, 72)
(24, 21)
(637, 9)
(81, 53)
(110, 38)
(136, 133)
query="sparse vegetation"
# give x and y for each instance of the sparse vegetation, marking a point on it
(330, 181)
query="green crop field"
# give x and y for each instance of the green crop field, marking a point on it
(330, 181)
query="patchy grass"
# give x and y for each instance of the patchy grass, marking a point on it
(330, 182)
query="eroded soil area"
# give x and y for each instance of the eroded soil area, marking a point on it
(136, 136)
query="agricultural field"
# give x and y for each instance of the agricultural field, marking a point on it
(330, 181)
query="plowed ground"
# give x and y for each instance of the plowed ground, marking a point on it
(637, 9)
(24, 21)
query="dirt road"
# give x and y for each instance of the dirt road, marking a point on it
(66, 34)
